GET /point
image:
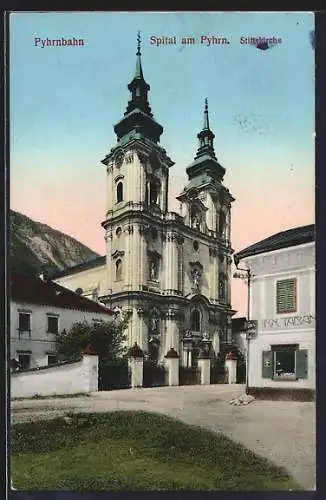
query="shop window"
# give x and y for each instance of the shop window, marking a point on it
(286, 362)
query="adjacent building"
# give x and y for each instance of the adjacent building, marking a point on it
(171, 271)
(282, 300)
(39, 310)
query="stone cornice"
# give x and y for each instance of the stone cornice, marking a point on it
(157, 300)
(143, 148)
(160, 221)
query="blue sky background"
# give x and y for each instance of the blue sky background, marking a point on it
(65, 101)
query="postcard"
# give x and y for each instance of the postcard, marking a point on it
(162, 251)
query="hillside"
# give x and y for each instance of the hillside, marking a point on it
(36, 247)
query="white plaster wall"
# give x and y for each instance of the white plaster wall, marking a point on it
(88, 280)
(295, 262)
(41, 342)
(70, 378)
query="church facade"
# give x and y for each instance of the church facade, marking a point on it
(171, 271)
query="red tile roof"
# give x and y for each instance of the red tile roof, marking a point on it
(33, 290)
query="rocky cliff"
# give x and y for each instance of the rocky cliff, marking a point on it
(37, 248)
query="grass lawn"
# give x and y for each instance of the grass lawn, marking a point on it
(129, 450)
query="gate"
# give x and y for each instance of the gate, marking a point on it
(188, 375)
(154, 375)
(114, 374)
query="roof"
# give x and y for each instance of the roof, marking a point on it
(284, 239)
(33, 290)
(90, 264)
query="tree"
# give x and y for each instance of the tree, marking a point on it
(106, 338)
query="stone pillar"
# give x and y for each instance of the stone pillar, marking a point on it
(172, 364)
(204, 366)
(231, 366)
(109, 264)
(142, 330)
(229, 224)
(90, 369)
(172, 333)
(136, 363)
(180, 259)
(213, 288)
(171, 271)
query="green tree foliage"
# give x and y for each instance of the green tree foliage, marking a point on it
(106, 338)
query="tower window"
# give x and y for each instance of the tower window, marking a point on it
(195, 320)
(119, 192)
(118, 270)
(153, 269)
(195, 219)
(154, 192)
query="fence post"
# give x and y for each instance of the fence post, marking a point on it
(90, 369)
(231, 366)
(136, 356)
(172, 363)
(204, 366)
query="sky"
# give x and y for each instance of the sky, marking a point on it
(64, 102)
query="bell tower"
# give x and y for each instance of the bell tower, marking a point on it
(137, 201)
(206, 208)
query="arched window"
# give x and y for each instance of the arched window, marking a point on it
(195, 218)
(119, 192)
(118, 270)
(154, 192)
(195, 320)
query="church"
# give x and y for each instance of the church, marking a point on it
(171, 271)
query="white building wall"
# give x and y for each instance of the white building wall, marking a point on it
(88, 280)
(274, 329)
(68, 378)
(42, 342)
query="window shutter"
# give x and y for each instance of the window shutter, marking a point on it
(267, 368)
(301, 363)
(286, 295)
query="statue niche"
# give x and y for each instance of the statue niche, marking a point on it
(196, 276)
(154, 262)
(154, 336)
